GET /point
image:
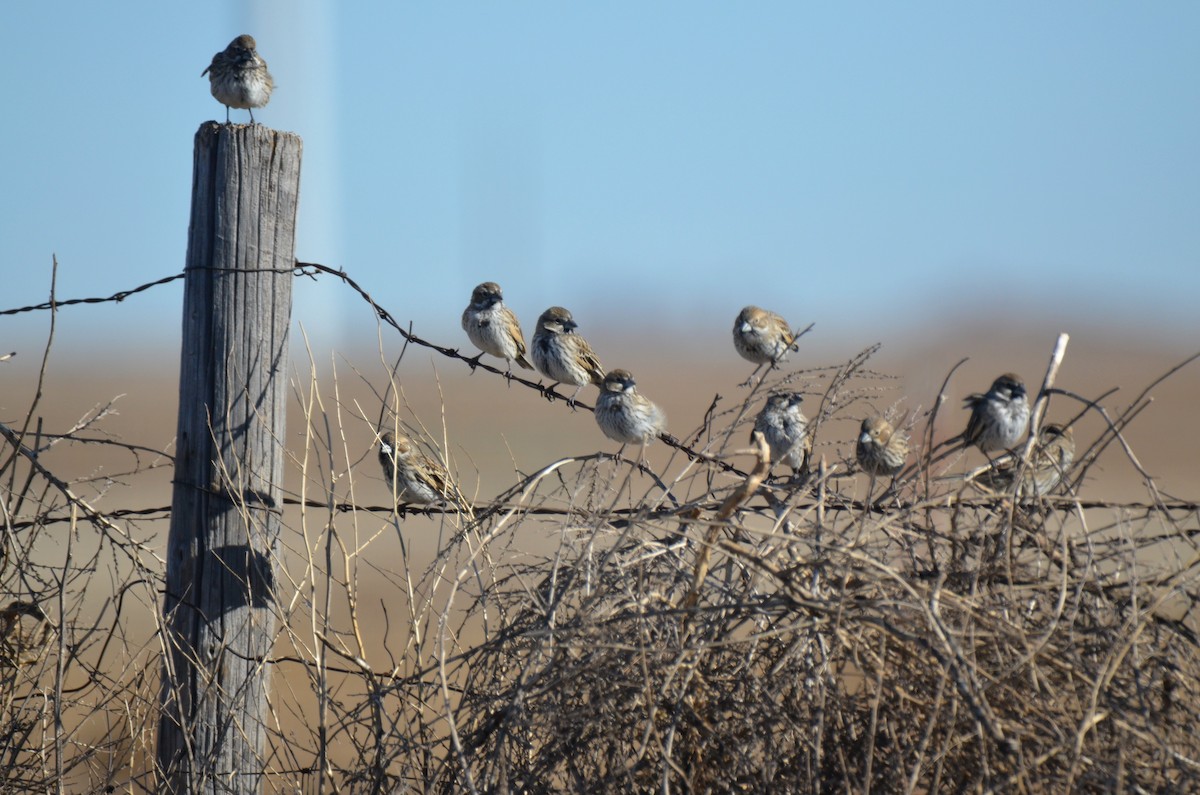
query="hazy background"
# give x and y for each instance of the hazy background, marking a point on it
(868, 165)
(951, 179)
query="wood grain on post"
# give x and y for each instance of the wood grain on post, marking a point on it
(219, 607)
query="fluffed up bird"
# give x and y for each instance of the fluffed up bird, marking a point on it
(411, 475)
(762, 337)
(238, 77)
(784, 426)
(493, 328)
(623, 414)
(24, 634)
(881, 450)
(562, 355)
(1052, 458)
(998, 418)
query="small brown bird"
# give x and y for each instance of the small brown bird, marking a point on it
(411, 475)
(998, 418)
(762, 337)
(1051, 460)
(238, 77)
(562, 355)
(785, 428)
(623, 414)
(24, 634)
(881, 450)
(493, 328)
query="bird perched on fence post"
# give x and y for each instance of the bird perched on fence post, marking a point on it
(999, 417)
(238, 77)
(562, 355)
(784, 426)
(493, 328)
(625, 415)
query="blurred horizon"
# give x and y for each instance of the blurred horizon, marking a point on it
(877, 171)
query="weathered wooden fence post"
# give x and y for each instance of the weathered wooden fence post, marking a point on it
(219, 609)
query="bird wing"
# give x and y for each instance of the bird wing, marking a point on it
(518, 338)
(590, 362)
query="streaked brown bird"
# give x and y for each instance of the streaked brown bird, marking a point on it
(25, 632)
(238, 77)
(411, 475)
(784, 426)
(1000, 417)
(761, 336)
(1051, 460)
(561, 354)
(881, 449)
(493, 328)
(623, 414)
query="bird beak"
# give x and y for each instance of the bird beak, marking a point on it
(865, 438)
(746, 328)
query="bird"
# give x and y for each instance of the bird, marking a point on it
(785, 428)
(238, 77)
(493, 328)
(413, 476)
(623, 414)
(562, 355)
(762, 337)
(998, 418)
(1052, 458)
(881, 450)
(24, 634)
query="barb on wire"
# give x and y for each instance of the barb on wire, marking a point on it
(116, 297)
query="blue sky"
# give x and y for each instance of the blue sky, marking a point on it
(660, 162)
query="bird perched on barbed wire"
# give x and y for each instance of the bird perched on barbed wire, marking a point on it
(623, 414)
(238, 77)
(999, 417)
(881, 449)
(762, 337)
(24, 634)
(493, 328)
(411, 475)
(784, 426)
(1052, 458)
(562, 355)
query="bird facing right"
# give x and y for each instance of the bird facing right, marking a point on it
(413, 476)
(623, 414)
(785, 428)
(238, 77)
(998, 418)
(562, 355)
(881, 450)
(492, 327)
(761, 336)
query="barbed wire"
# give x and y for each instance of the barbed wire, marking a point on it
(115, 297)
(1060, 504)
(312, 268)
(818, 597)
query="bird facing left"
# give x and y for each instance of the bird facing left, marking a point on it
(410, 474)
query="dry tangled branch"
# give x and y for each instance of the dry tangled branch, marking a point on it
(695, 621)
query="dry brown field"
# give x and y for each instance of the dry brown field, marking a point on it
(495, 434)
